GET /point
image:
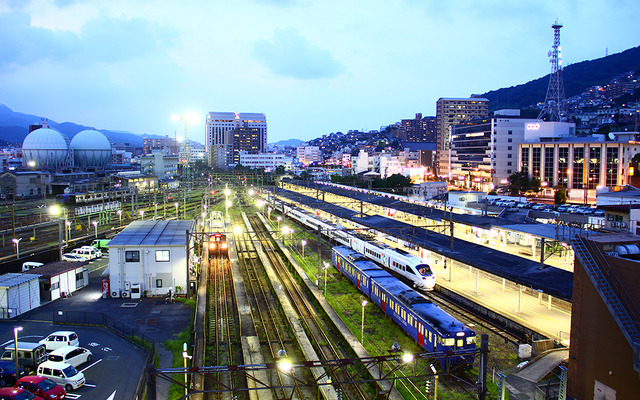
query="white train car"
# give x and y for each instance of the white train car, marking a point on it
(395, 260)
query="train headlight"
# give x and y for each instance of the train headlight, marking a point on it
(212, 246)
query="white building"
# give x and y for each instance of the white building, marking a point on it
(159, 165)
(150, 256)
(19, 293)
(265, 161)
(223, 129)
(309, 154)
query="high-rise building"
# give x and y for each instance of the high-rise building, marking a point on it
(449, 112)
(228, 133)
(419, 129)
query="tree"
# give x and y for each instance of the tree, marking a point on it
(280, 170)
(560, 196)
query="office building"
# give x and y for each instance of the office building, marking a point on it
(228, 133)
(308, 154)
(449, 112)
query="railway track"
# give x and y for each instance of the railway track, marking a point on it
(269, 321)
(224, 325)
(326, 346)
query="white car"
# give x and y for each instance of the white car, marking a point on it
(63, 374)
(69, 257)
(72, 355)
(97, 251)
(60, 339)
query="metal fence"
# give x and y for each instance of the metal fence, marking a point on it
(101, 319)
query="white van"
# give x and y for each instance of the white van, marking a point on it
(60, 339)
(97, 250)
(29, 265)
(62, 373)
(72, 355)
(86, 254)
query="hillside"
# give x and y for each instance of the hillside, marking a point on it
(14, 127)
(577, 77)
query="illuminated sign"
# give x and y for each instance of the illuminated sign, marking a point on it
(533, 126)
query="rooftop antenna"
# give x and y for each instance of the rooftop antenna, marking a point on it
(554, 104)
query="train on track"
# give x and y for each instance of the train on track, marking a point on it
(396, 260)
(431, 327)
(217, 220)
(218, 244)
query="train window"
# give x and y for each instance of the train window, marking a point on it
(460, 343)
(132, 256)
(430, 336)
(448, 341)
(162, 255)
(471, 339)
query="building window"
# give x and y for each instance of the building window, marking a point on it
(563, 166)
(549, 165)
(509, 140)
(594, 167)
(158, 283)
(510, 133)
(132, 256)
(536, 158)
(509, 164)
(509, 147)
(578, 167)
(612, 166)
(525, 159)
(55, 285)
(508, 155)
(162, 255)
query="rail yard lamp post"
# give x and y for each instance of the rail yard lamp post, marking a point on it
(155, 211)
(141, 215)
(17, 243)
(95, 227)
(435, 381)
(185, 355)
(176, 205)
(15, 353)
(285, 231)
(303, 243)
(364, 303)
(326, 267)
(279, 219)
(119, 212)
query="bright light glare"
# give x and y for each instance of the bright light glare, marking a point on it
(285, 366)
(407, 358)
(55, 210)
(237, 230)
(228, 203)
(227, 192)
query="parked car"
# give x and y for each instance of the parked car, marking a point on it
(87, 254)
(70, 257)
(563, 208)
(598, 213)
(8, 373)
(539, 206)
(42, 387)
(63, 374)
(11, 393)
(60, 339)
(72, 355)
(29, 265)
(30, 355)
(98, 252)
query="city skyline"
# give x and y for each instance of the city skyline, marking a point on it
(312, 69)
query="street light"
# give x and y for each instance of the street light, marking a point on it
(279, 219)
(326, 267)
(68, 230)
(95, 227)
(119, 212)
(285, 230)
(435, 385)
(185, 355)
(303, 243)
(15, 353)
(17, 243)
(141, 215)
(176, 204)
(364, 303)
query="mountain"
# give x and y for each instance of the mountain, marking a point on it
(288, 142)
(577, 77)
(14, 127)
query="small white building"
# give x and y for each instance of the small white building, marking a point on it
(150, 257)
(60, 277)
(19, 293)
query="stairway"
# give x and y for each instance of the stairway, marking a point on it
(613, 301)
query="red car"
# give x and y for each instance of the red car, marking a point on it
(42, 387)
(9, 393)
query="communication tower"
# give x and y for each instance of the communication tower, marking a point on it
(554, 104)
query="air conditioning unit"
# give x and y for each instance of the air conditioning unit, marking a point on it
(115, 294)
(623, 224)
(126, 294)
(127, 286)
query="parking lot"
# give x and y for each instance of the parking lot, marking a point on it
(117, 364)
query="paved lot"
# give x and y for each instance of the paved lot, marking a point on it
(117, 364)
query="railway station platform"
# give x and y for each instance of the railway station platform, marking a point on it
(513, 287)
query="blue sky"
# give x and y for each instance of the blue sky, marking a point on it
(313, 67)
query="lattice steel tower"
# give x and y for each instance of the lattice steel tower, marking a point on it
(554, 104)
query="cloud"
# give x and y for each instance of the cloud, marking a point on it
(291, 55)
(101, 40)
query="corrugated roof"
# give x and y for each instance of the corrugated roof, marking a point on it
(14, 279)
(154, 233)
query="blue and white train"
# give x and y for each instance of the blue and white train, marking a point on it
(431, 327)
(399, 261)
